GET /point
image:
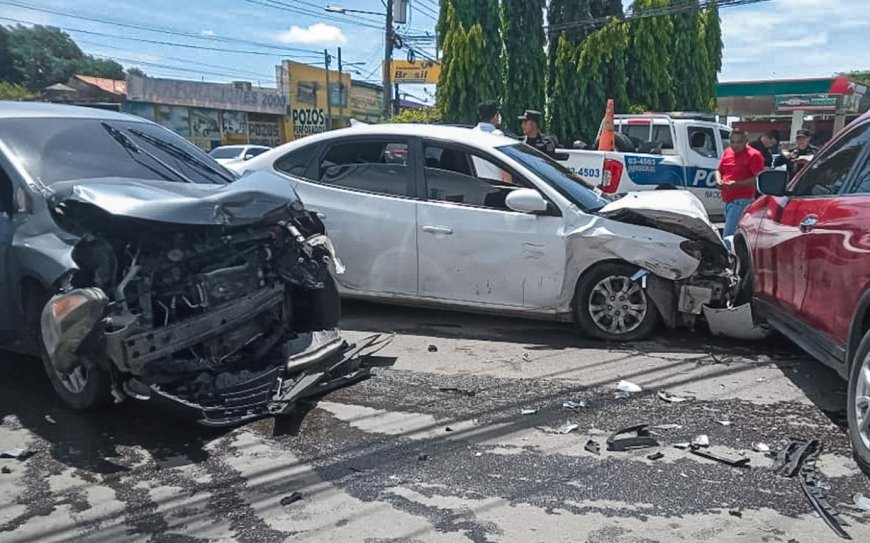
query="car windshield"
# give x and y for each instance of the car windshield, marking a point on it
(570, 185)
(62, 149)
(226, 152)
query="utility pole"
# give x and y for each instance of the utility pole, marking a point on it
(340, 89)
(388, 57)
(328, 100)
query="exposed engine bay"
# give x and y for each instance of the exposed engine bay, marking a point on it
(222, 320)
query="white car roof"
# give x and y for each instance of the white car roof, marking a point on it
(472, 138)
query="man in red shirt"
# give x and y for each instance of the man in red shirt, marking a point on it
(737, 177)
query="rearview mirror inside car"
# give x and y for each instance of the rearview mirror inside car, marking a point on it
(773, 183)
(526, 201)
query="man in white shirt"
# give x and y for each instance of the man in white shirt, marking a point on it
(488, 119)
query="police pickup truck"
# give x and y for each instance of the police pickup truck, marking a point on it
(654, 150)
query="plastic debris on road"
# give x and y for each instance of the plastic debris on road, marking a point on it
(433, 348)
(656, 456)
(861, 501)
(640, 440)
(701, 441)
(734, 322)
(568, 428)
(528, 411)
(724, 422)
(673, 399)
(20, 453)
(292, 498)
(628, 386)
(683, 445)
(667, 426)
(4, 469)
(574, 405)
(760, 447)
(593, 446)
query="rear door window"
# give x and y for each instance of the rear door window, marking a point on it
(378, 166)
(296, 161)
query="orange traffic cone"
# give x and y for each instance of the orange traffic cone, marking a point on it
(608, 136)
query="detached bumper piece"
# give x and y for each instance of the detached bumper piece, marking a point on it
(238, 398)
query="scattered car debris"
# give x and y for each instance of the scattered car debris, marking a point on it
(656, 456)
(735, 513)
(568, 428)
(733, 461)
(433, 348)
(478, 455)
(736, 323)
(6, 470)
(788, 460)
(457, 390)
(701, 441)
(49, 419)
(760, 447)
(528, 411)
(628, 386)
(593, 446)
(21, 454)
(861, 501)
(422, 457)
(526, 357)
(815, 494)
(290, 499)
(667, 426)
(621, 395)
(724, 422)
(641, 439)
(663, 395)
(682, 445)
(574, 405)
(448, 429)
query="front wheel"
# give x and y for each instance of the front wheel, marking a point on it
(859, 405)
(83, 388)
(608, 305)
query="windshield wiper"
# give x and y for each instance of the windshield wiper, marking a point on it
(133, 150)
(182, 154)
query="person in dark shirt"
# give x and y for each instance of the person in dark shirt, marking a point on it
(798, 156)
(768, 146)
(532, 133)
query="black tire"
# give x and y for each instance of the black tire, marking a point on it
(96, 392)
(587, 293)
(860, 446)
(319, 309)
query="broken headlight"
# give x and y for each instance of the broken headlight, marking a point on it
(67, 320)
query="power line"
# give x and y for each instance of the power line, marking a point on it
(653, 12)
(274, 4)
(169, 67)
(159, 30)
(156, 42)
(433, 5)
(425, 11)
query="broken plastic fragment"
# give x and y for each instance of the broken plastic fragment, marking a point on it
(433, 348)
(673, 399)
(422, 457)
(528, 411)
(620, 395)
(656, 456)
(21, 453)
(760, 447)
(292, 498)
(593, 447)
(641, 439)
(4, 469)
(478, 455)
(667, 426)
(724, 422)
(574, 405)
(628, 386)
(861, 501)
(568, 428)
(701, 441)
(683, 445)
(734, 322)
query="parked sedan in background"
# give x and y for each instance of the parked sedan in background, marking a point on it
(438, 215)
(805, 246)
(228, 154)
(138, 267)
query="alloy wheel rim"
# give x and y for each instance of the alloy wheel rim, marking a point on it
(862, 402)
(617, 305)
(75, 381)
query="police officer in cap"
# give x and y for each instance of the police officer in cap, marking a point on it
(532, 133)
(798, 156)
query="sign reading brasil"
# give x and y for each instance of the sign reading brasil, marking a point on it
(207, 95)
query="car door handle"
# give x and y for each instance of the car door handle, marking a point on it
(809, 223)
(438, 230)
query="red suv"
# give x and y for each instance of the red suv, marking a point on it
(805, 250)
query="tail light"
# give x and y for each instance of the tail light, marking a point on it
(611, 175)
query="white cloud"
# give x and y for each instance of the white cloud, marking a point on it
(208, 33)
(317, 33)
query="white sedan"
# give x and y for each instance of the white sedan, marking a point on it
(232, 154)
(444, 216)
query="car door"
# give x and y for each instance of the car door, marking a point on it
(364, 190)
(796, 244)
(474, 250)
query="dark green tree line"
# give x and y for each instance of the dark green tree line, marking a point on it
(525, 61)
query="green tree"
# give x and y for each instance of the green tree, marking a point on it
(424, 115)
(524, 59)
(136, 71)
(712, 34)
(470, 66)
(98, 68)
(11, 91)
(649, 58)
(601, 74)
(565, 115)
(689, 59)
(862, 77)
(7, 66)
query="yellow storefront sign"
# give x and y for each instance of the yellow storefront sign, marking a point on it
(417, 72)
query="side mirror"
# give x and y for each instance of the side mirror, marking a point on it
(526, 201)
(773, 183)
(249, 156)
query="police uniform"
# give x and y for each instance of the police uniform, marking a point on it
(794, 168)
(544, 144)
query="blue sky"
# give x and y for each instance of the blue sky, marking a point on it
(773, 39)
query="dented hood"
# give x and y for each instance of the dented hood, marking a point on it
(246, 201)
(676, 211)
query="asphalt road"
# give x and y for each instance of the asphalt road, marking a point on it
(435, 447)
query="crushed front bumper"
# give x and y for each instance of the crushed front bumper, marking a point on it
(327, 363)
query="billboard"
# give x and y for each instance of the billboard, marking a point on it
(416, 72)
(174, 118)
(206, 95)
(234, 125)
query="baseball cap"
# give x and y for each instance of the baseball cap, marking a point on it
(803, 133)
(531, 115)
